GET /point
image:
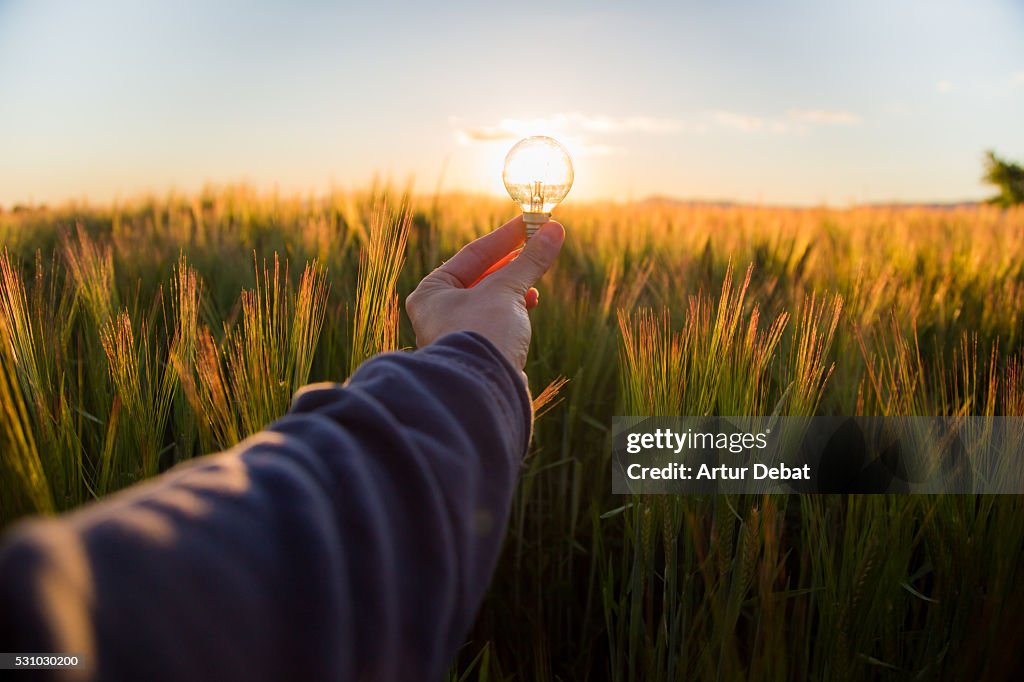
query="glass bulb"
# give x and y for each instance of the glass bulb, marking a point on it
(538, 174)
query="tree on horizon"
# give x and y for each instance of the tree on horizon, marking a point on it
(1007, 176)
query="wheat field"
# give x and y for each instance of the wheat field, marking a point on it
(126, 331)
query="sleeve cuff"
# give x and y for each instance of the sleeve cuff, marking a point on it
(482, 357)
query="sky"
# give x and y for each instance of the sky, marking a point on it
(786, 102)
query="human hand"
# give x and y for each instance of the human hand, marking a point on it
(447, 300)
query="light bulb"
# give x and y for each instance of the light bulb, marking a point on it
(538, 174)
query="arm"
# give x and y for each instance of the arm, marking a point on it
(353, 539)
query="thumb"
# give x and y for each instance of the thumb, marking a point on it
(537, 256)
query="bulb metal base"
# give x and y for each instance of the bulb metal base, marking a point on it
(534, 221)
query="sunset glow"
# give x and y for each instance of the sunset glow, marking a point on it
(796, 103)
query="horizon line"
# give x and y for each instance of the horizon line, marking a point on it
(390, 187)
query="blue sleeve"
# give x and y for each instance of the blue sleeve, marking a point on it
(353, 539)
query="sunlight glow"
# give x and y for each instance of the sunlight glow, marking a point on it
(538, 173)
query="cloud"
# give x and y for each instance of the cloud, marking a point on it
(943, 87)
(1017, 79)
(573, 129)
(731, 119)
(747, 123)
(484, 134)
(823, 117)
(631, 124)
(795, 121)
(586, 133)
(572, 122)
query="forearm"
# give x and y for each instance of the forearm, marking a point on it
(354, 538)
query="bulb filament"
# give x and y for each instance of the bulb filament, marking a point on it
(537, 202)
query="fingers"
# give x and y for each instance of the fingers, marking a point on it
(536, 257)
(468, 265)
(532, 298)
(502, 262)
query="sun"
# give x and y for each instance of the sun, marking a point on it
(481, 162)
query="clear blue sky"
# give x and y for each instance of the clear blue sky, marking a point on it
(790, 101)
